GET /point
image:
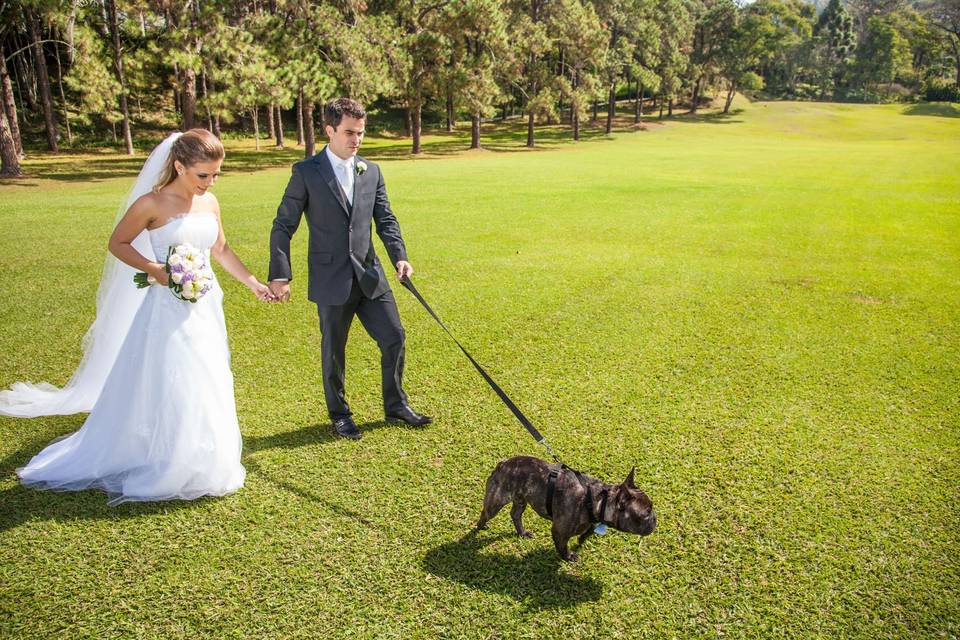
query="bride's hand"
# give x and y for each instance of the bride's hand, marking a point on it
(262, 292)
(159, 273)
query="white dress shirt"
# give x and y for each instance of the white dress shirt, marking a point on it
(345, 172)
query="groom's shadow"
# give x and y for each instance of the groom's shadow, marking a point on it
(534, 579)
(316, 434)
(304, 436)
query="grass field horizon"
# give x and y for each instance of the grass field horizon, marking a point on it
(759, 311)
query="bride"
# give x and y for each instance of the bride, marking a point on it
(155, 374)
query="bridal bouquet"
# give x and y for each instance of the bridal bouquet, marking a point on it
(190, 275)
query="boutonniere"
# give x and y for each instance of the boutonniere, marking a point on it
(361, 167)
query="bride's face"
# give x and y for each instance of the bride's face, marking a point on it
(200, 176)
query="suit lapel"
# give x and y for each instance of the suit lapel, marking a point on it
(330, 177)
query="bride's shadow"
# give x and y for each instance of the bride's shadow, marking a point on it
(19, 504)
(535, 579)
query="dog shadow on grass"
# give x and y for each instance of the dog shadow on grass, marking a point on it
(534, 579)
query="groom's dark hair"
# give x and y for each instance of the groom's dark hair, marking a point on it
(334, 111)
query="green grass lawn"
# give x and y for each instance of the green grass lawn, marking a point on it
(759, 311)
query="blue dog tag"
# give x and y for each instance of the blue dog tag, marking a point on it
(600, 529)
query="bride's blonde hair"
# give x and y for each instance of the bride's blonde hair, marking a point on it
(196, 145)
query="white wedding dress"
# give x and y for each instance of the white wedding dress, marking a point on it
(164, 425)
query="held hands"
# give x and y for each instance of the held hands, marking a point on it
(280, 290)
(404, 269)
(262, 291)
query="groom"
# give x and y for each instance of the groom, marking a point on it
(341, 193)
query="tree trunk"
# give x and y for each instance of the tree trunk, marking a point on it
(299, 109)
(113, 130)
(63, 96)
(638, 106)
(611, 107)
(475, 131)
(530, 129)
(177, 103)
(43, 80)
(270, 127)
(407, 122)
(10, 105)
(415, 124)
(955, 43)
(111, 8)
(215, 121)
(68, 32)
(205, 94)
(189, 98)
(695, 96)
(662, 100)
(595, 109)
(670, 107)
(574, 111)
(309, 138)
(450, 112)
(730, 94)
(256, 126)
(9, 159)
(278, 127)
(25, 82)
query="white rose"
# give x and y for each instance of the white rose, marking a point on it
(181, 250)
(174, 259)
(176, 277)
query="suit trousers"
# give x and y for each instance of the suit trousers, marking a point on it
(380, 317)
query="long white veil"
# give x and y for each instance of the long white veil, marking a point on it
(118, 300)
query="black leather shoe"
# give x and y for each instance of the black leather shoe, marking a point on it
(347, 428)
(409, 417)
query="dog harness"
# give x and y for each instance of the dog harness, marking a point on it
(552, 489)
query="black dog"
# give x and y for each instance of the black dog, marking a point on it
(575, 503)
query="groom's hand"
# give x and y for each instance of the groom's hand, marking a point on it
(404, 269)
(280, 290)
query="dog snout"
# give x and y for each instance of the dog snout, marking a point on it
(649, 524)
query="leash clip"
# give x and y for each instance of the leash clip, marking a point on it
(549, 449)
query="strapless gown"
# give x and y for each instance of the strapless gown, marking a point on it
(165, 425)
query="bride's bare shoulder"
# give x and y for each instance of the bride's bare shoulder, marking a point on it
(213, 202)
(148, 206)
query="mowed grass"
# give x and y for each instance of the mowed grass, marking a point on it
(759, 311)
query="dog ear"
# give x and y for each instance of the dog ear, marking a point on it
(629, 481)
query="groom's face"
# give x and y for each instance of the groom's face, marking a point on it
(345, 139)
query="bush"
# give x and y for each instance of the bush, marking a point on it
(941, 90)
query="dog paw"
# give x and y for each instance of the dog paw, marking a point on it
(571, 557)
(526, 534)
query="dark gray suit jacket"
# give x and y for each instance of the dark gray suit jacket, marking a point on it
(340, 244)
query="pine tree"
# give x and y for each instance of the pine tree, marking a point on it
(837, 40)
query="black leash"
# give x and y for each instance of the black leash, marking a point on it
(406, 282)
(554, 473)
